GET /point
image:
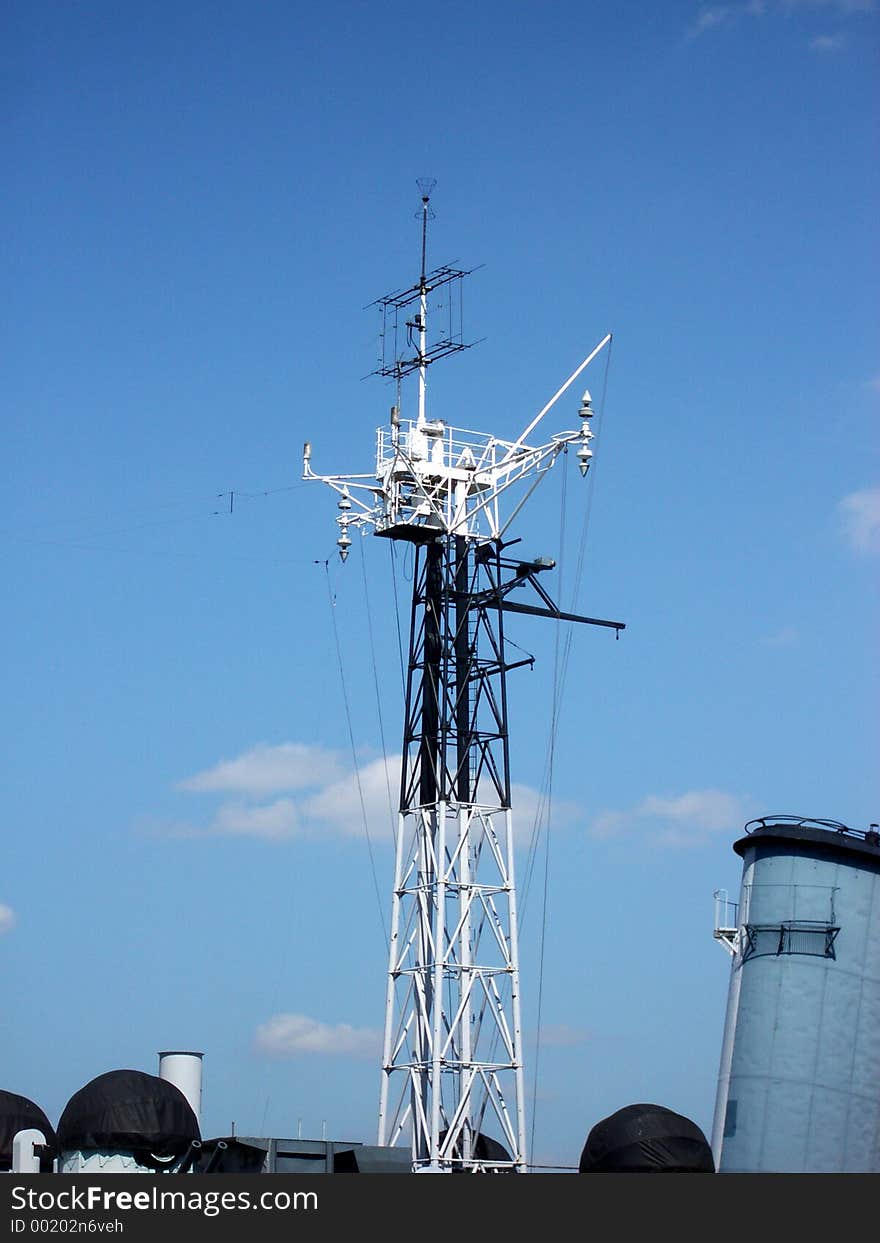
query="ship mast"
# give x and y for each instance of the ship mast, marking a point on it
(426, 185)
(452, 1065)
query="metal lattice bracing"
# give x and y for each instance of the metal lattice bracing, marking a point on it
(452, 1064)
(452, 1068)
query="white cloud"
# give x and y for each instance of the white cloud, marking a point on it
(844, 7)
(828, 43)
(272, 821)
(680, 820)
(320, 798)
(712, 811)
(861, 519)
(337, 806)
(710, 17)
(292, 1035)
(787, 636)
(7, 918)
(529, 805)
(266, 770)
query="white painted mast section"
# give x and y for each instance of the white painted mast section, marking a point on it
(440, 962)
(423, 314)
(388, 1051)
(516, 999)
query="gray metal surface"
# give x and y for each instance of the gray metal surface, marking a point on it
(800, 1090)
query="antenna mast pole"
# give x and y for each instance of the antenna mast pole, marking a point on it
(452, 1067)
(426, 185)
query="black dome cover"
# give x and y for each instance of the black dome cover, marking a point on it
(129, 1110)
(17, 1113)
(485, 1149)
(646, 1139)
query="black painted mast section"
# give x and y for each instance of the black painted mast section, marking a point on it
(455, 733)
(432, 655)
(425, 209)
(463, 656)
(505, 742)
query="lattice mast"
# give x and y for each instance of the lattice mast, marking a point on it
(452, 1065)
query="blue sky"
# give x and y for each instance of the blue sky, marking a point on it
(201, 199)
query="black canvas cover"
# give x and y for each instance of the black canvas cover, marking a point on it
(131, 1111)
(485, 1149)
(646, 1139)
(17, 1113)
(488, 1149)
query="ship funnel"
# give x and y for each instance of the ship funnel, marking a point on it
(184, 1070)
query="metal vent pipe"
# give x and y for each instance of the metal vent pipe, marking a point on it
(183, 1068)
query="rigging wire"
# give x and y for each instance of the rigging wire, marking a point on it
(561, 658)
(592, 491)
(397, 616)
(391, 816)
(547, 803)
(83, 541)
(332, 602)
(541, 818)
(582, 542)
(560, 683)
(152, 553)
(190, 499)
(543, 809)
